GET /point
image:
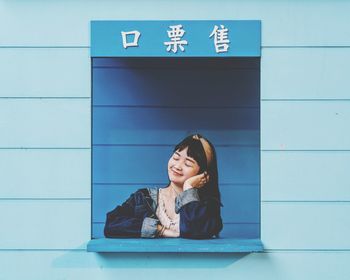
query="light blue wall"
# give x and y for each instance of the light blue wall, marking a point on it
(45, 142)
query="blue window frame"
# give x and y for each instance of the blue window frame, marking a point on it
(145, 102)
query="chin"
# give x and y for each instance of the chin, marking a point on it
(175, 180)
(178, 184)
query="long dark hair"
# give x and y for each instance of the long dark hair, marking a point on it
(195, 150)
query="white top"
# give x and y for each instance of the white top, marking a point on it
(162, 214)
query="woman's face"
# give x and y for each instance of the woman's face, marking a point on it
(181, 167)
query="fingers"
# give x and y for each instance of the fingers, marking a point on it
(199, 180)
(205, 178)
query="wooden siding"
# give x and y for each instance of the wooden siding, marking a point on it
(155, 102)
(305, 193)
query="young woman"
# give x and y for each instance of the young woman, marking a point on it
(189, 207)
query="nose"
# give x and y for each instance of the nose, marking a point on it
(178, 166)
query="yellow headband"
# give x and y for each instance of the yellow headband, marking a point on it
(206, 147)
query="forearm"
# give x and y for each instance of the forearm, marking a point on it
(123, 227)
(198, 219)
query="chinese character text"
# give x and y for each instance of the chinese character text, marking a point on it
(175, 35)
(221, 40)
(127, 35)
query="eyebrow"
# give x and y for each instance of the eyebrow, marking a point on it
(186, 157)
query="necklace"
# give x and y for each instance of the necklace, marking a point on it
(166, 220)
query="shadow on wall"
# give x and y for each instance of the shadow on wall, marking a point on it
(81, 259)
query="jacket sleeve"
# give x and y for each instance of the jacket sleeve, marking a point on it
(124, 221)
(198, 219)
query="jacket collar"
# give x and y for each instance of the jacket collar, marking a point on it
(153, 192)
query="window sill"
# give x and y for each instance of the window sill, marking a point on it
(169, 245)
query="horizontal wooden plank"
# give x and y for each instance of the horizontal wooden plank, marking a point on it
(188, 85)
(303, 125)
(110, 122)
(45, 173)
(43, 123)
(241, 202)
(44, 72)
(43, 224)
(178, 63)
(175, 245)
(283, 23)
(298, 265)
(305, 73)
(76, 265)
(113, 164)
(149, 136)
(305, 175)
(302, 225)
(236, 230)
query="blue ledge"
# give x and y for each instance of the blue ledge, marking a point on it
(168, 245)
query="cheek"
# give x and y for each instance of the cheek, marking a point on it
(196, 169)
(170, 163)
(192, 172)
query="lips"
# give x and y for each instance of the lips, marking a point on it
(175, 173)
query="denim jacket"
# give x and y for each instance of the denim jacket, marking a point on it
(136, 217)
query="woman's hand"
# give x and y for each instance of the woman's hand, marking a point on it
(168, 232)
(197, 181)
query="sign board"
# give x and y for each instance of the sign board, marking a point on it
(184, 38)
